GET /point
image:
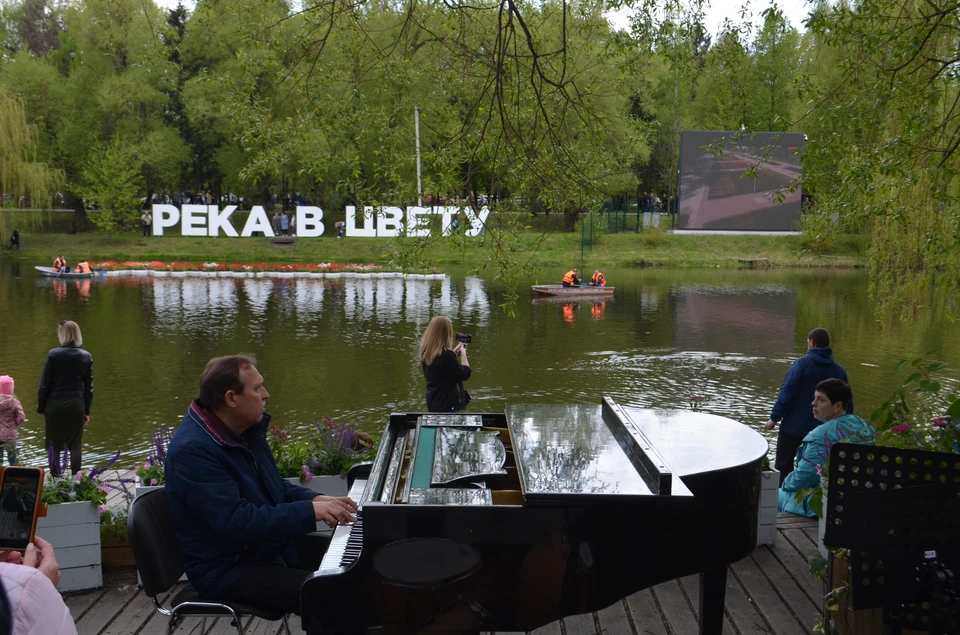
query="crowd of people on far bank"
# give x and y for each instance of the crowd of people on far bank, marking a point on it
(239, 522)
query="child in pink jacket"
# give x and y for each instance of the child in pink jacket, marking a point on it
(11, 416)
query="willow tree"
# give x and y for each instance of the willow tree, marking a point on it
(885, 135)
(28, 182)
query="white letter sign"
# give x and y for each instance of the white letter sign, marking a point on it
(308, 221)
(257, 221)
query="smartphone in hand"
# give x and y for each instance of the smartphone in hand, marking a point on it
(20, 489)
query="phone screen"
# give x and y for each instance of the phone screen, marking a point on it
(18, 505)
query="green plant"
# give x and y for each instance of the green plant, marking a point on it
(290, 454)
(151, 472)
(336, 448)
(61, 487)
(819, 232)
(113, 525)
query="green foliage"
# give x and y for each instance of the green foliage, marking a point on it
(112, 182)
(68, 488)
(918, 415)
(113, 525)
(819, 232)
(291, 454)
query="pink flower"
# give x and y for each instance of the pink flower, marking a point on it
(103, 489)
(79, 476)
(154, 481)
(819, 467)
(146, 465)
(307, 476)
(903, 427)
(102, 509)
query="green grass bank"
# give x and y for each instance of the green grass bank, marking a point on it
(555, 249)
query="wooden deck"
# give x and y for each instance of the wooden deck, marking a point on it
(770, 591)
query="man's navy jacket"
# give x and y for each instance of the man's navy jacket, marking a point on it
(794, 408)
(231, 508)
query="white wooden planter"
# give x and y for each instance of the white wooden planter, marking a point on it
(767, 516)
(74, 531)
(328, 485)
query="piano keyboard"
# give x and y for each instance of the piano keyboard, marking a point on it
(347, 540)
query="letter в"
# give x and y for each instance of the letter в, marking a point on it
(308, 221)
(389, 222)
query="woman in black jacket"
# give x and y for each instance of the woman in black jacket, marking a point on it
(444, 369)
(66, 393)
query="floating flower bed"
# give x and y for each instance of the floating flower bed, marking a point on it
(156, 265)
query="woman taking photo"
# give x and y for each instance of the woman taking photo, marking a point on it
(66, 392)
(444, 369)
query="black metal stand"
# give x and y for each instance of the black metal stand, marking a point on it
(898, 511)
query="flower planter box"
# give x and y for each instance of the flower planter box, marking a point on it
(117, 554)
(74, 531)
(767, 515)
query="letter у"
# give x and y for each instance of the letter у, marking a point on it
(257, 221)
(368, 229)
(216, 220)
(164, 216)
(476, 221)
(308, 221)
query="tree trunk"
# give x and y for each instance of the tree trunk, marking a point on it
(80, 220)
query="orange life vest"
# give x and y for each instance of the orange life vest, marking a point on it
(59, 263)
(83, 267)
(599, 280)
(570, 278)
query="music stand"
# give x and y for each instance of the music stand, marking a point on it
(898, 512)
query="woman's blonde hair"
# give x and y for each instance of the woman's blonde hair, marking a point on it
(438, 336)
(69, 333)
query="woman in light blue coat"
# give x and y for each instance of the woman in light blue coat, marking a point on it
(830, 400)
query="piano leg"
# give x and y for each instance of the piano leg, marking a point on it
(713, 588)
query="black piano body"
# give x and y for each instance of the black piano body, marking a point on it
(572, 508)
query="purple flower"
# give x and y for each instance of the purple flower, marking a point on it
(102, 509)
(903, 427)
(102, 488)
(154, 481)
(942, 422)
(79, 476)
(307, 476)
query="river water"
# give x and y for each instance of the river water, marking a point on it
(346, 348)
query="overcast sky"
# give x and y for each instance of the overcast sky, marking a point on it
(795, 11)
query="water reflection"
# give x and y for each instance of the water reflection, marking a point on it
(345, 347)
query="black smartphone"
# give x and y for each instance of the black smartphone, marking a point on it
(20, 489)
(465, 338)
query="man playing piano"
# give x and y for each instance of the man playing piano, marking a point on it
(234, 515)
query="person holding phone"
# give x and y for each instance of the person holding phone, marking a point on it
(66, 394)
(445, 369)
(29, 582)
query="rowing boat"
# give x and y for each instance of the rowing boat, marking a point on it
(560, 290)
(48, 272)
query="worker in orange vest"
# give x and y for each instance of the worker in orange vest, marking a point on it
(60, 263)
(83, 266)
(598, 280)
(571, 278)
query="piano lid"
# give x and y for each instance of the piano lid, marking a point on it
(569, 453)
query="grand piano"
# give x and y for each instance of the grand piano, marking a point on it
(507, 522)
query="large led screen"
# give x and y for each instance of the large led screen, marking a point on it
(716, 193)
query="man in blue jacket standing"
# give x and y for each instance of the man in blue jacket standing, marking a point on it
(234, 515)
(793, 409)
